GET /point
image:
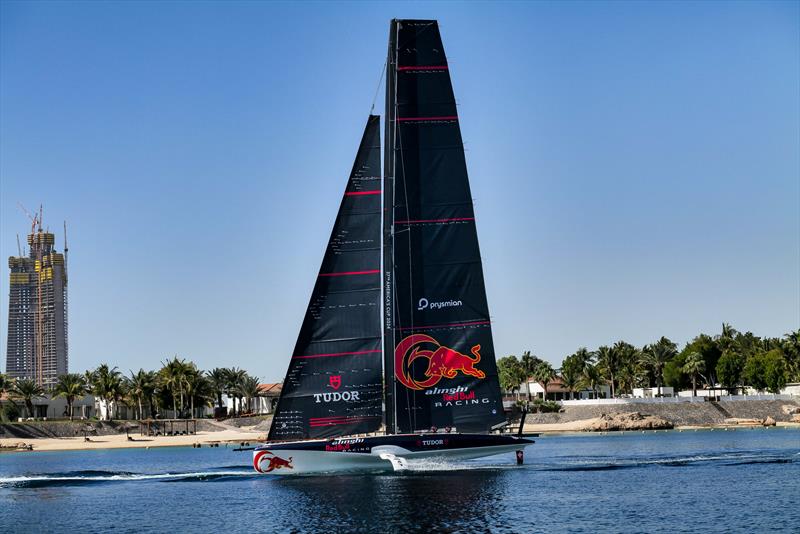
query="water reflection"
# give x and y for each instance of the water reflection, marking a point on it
(463, 499)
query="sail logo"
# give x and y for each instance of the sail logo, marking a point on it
(347, 396)
(425, 304)
(275, 462)
(443, 362)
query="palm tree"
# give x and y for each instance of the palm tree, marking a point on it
(196, 385)
(529, 362)
(571, 377)
(608, 361)
(6, 384)
(250, 389)
(171, 377)
(592, 379)
(544, 374)
(27, 390)
(235, 378)
(695, 364)
(107, 384)
(141, 386)
(71, 386)
(657, 355)
(217, 379)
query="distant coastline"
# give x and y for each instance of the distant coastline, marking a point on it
(728, 415)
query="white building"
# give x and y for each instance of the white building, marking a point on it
(651, 393)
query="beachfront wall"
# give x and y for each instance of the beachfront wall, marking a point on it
(791, 389)
(675, 400)
(48, 407)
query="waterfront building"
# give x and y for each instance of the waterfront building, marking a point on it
(37, 310)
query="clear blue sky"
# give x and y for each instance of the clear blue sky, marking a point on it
(635, 165)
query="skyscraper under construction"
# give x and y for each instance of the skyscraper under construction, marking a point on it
(37, 310)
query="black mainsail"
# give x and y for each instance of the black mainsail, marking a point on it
(334, 385)
(439, 357)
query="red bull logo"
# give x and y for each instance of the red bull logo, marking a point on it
(443, 362)
(273, 462)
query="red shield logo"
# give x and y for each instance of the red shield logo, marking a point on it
(335, 381)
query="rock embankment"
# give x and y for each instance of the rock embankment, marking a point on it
(679, 414)
(627, 421)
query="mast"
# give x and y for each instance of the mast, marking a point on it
(388, 231)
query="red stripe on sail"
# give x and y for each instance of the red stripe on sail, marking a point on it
(454, 219)
(351, 273)
(421, 67)
(342, 418)
(474, 323)
(447, 118)
(359, 193)
(334, 423)
(331, 354)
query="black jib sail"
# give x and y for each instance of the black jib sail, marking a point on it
(333, 386)
(438, 350)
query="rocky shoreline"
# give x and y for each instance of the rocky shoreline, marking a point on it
(645, 416)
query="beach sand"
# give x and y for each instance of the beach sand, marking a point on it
(120, 441)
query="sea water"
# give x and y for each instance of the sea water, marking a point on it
(744, 480)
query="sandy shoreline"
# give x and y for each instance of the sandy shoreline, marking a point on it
(252, 437)
(120, 441)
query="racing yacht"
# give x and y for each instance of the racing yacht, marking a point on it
(394, 361)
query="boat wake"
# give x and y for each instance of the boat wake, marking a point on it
(605, 463)
(89, 477)
(721, 459)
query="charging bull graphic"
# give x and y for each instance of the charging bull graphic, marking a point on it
(443, 362)
(275, 462)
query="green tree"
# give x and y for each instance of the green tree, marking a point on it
(107, 383)
(729, 369)
(251, 390)
(217, 380)
(529, 364)
(775, 371)
(71, 386)
(571, 372)
(791, 354)
(172, 378)
(544, 375)
(695, 365)
(754, 373)
(707, 346)
(609, 363)
(592, 379)
(141, 387)
(27, 390)
(657, 355)
(510, 373)
(6, 384)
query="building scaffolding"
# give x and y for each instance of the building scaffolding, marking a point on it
(37, 310)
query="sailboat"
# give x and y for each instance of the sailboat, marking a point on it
(394, 361)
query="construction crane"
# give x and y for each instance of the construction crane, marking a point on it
(36, 219)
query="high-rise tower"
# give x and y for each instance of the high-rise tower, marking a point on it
(37, 310)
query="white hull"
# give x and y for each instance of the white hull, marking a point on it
(298, 462)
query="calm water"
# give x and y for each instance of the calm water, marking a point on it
(736, 481)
